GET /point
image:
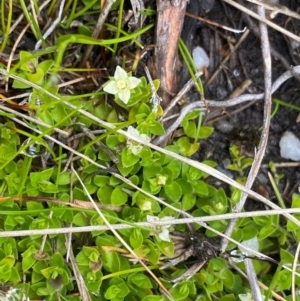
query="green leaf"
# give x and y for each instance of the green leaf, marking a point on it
(186, 187)
(111, 262)
(266, 231)
(284, 281)
(152, 298)
(18, 84)
(36, 77)
(220, 202)
(118, 197)
(228, 278)
(140, 280)
(175, 167)
(200, 188)
(128, 159)
(156, 128)
(112, 141)
(205, 132)
(28, 262)
(151, 171)
(45, 116)
(58, 113)
(46, 65)
(173, 192)
(104, 194)
(188, 201)
(36, 177)
(112, 292)
(180, 292)
(166, 247)
(136, 238)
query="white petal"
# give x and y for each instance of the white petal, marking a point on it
(164, 235)
(144, 137)
(124, 96)
(132, 131)
(111, 87)
(151, 218)
(133, 82)
(120, 73)
(167, 218)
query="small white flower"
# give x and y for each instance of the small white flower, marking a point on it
(135, 146)
(121, 84)
(162, 231)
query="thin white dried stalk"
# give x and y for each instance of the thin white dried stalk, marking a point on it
(253, 282)
(266, 124)
(84, 292)
(257, 296)
(153, 224)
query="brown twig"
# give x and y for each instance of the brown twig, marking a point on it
(170, 17)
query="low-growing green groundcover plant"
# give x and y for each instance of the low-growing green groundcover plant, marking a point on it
(37, 265)
(39, 191)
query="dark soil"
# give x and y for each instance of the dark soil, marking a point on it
(246, 63)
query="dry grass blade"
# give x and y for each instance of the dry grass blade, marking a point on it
(264, 20)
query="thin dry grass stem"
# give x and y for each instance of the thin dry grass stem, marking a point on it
(252, 278)
(260, 152)
(283, 165)
(10, 59)
(295, 265)
(53, 25)
(69, 235)
(9, 110)
(84, 292)
(262, 285)
(181, 93)
(44, 238)
(103, 15)
(264, 20)
(148, 224)
(214, 23)
(222, 64)
(266, 123)
(117, 235)
(276, 8)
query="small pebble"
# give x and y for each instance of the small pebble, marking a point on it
(290, 146)
(200, 58)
